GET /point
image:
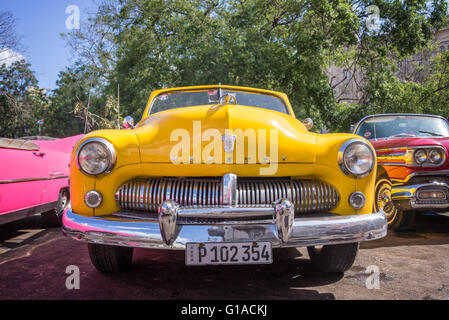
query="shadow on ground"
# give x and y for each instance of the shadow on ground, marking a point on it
(429, 229)
(284, 279)
(37, 270)
(157, 274)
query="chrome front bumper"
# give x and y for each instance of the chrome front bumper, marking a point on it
(172, 229)
(407, 197)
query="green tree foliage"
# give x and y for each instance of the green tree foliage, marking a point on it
(279, 45)
(282, 45)
(392, 95)
(79, 104)
(22, 102)
(434, 94)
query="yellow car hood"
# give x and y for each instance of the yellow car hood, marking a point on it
(158, 134)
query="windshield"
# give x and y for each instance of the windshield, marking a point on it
(403, 127)
(182, 99)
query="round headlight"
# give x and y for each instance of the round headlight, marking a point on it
(435, 156)
(356, 157)
(96, 156)
(420, 156)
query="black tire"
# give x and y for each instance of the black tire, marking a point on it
(110, 258)
(53, 218)
(334, 258)
(397, 220)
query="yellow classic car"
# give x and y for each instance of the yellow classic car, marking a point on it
(225, 173)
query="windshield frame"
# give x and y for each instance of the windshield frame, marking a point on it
(255, 91)
(369, 117)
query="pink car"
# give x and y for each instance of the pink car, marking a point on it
(34, 177)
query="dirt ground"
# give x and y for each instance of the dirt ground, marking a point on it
(411, 265)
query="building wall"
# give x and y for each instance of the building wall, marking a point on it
(442, 37)
(347, 82)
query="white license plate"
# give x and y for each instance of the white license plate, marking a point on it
(216, 253)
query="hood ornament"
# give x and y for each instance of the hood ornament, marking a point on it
(228, 142)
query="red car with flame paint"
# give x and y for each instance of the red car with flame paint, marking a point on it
(412, 164)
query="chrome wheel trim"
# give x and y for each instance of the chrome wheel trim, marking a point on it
(382, 197)
(64, 200)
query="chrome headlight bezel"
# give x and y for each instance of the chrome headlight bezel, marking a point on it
(341, 158)
(439, 152)
(429, 150)
(418, 159)
(352, 200)
(108, 147)
(407, 156)
(98, 201)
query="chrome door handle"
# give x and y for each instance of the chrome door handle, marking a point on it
(38, 153)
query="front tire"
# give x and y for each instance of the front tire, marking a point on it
(109, 259)
(53, 218)
(397, 220)
(334, 258)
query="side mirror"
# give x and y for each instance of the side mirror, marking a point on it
(308, 123)
(128, 123)
(352, 128)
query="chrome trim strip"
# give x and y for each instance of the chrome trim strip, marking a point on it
(139, 216)
(392, 164)
(31, 179)
(57, 173)
(319, 230)
(225, 212)
(422, 173)
(411, 150)
(393, 149)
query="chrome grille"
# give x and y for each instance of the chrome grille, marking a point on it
(146, 194)
(307, 195)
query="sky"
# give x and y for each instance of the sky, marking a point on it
(39, 25)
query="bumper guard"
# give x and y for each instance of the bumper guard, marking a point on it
(168, 231)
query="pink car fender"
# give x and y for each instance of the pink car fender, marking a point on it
(32, 174)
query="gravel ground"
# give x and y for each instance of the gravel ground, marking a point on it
(411, 265)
